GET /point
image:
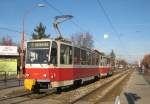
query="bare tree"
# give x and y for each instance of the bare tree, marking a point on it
(7, 41)
(123, 63)
(146, 61)
(83, 39)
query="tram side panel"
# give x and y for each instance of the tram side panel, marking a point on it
(62, 77)
(66, 76)
(81, 73)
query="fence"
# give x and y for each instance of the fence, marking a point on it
(10, 78)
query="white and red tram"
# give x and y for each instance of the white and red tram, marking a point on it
(57, 63)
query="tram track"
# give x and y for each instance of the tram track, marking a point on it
(73, 96)
(94, 96)
(23, 97)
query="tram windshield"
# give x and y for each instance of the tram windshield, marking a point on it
(37, 56)
(37, 52)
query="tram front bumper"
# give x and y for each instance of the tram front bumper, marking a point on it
(29, 83)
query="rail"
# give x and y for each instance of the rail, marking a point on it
(117, 100)
(104, 88)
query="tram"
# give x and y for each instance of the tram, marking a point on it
(55, 63)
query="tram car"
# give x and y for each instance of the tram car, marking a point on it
(104, 64)
(58, 63)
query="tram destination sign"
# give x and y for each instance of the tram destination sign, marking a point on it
(45, 44)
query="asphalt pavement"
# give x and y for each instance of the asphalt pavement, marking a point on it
(137, 90)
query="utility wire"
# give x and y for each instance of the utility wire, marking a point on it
(109, 21)
(53, 7)
(8, 29)
(60, 12)
(11, 30)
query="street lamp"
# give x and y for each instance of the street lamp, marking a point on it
(23, 32)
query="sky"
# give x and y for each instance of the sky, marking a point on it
(130, 18)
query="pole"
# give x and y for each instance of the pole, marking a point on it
(23, 36)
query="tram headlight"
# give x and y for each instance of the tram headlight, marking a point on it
(45, 75)
(27, 75)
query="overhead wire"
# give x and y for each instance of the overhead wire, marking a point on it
(60, 12)
(111, 24)
(78, 26)
(11, 30)
(8, 29)
(108, 19)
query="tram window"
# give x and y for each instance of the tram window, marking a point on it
(88, 58)
(93, 59)
(100, 63)
(97, 59)
(83, 57)
(108, 61)
(37, 56)
(70, 55)
(76, 56)
(53, 57)
(104, 61)
(65, 54)
(101, 57)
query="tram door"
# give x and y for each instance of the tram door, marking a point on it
(53, 59)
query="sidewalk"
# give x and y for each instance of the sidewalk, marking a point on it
(137, 90)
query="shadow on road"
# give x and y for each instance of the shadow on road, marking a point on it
(131, 97)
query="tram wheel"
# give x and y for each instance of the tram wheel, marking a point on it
(96, 78)
(77, 83)
(58, 90)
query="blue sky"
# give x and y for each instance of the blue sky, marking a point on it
(131, 18)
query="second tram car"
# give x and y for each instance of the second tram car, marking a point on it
(57, 63)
